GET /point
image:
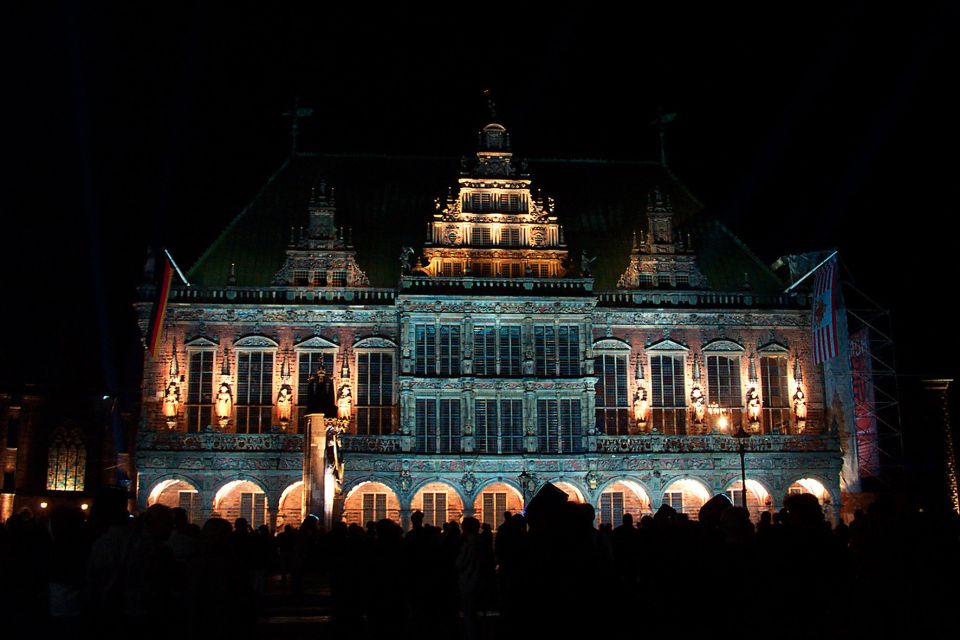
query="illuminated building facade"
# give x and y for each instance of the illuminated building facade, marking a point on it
(490, 357)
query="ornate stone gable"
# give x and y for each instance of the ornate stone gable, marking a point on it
(321, 255)
(659, 259)
(494, 226)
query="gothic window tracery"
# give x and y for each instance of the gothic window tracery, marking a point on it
(67, 461)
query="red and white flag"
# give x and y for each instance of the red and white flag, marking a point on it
(825, 342)
(160, 306)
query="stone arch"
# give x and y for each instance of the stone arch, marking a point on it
(437, 510)
(759, 498)
(290, 505)
(635, 500)
(573, 492)
(693, 495)
(177, 491)
(382, 503)
(348, 487)
(494, 498)
(817, 486)
(231, 501)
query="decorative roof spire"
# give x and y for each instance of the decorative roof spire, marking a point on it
(174, 365)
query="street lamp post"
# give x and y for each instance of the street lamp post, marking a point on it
(741, 437)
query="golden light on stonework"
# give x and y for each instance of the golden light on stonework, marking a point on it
(723, 422)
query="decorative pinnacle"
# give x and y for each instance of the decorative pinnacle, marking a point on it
(174, 365)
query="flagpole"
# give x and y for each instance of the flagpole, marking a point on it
(176, 268)
(809, 273)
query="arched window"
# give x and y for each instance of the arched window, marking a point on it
(67, 461)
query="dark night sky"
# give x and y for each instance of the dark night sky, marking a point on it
(824, 126)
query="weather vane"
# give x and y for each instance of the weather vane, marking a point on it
(295, 114)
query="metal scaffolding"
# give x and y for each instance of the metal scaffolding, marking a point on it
(863, 313)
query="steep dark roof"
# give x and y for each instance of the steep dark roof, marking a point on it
(387, 201)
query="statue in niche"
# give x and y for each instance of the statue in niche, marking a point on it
(171, 399)
(699, 404)
(224, 403)
(284, 403)
(640, 405)
(344, 401)
(800, 405)
(753, 405)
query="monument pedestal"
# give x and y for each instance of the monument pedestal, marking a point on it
(319, 483)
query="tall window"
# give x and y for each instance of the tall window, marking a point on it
(499, 426)
(485, 350)
(254, 391)
(559, 427)
(449, 350)
(199, 407)
(434, 508)
(674, 499)
(736, 497)
(723, 385)
(613, 415)
(66, 461)
(611, 508)
(189, 501)
(253, 508)
(669, 396)
(374, 393)
(557, 350)
(374, 507)
(494, 506)
(510, 358)
(776, 399)
(425, 349)
(438, 425)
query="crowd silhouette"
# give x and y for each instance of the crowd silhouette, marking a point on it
(550, 570)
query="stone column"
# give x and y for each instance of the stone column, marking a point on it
(315, 490)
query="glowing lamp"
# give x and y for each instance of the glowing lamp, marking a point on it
(723, 423)
(84, 506)
(43, 505)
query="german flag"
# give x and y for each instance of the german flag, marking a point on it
(160, 306)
